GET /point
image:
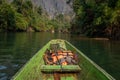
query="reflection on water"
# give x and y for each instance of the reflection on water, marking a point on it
(17, 48)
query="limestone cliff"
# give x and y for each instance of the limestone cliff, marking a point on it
(55, 7)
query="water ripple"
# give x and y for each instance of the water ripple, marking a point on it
(2, 67)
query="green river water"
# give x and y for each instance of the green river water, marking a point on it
(17, 48)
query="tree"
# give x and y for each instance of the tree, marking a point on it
(20, 22)
(7, 17)
(10, 19)
(97, 18)
(39, 10)
(18, 5)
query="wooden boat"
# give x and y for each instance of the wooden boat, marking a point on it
(36, 69)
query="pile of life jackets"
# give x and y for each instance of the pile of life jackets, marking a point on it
(61, 58)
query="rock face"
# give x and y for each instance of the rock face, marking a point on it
(55, 7)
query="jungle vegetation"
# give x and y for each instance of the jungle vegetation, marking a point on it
(22, 15)
(97, 18)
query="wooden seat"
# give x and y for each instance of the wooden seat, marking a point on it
(59, 68)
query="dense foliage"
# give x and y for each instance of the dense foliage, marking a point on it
(97, 18)
(22, 15)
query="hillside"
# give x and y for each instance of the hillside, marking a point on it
(55, 7)
(41, 15)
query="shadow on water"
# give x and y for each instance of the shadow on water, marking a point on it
(17, 48)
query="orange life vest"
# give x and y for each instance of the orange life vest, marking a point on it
(64, 63)
(54, 58)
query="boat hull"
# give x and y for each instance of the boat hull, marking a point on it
(90, 71)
